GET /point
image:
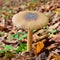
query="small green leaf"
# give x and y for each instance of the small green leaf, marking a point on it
(16, 36)
(1, 51)
(34, 30)
(22, 47)
(2, 33)
(34, 1)
(41, 31)
(8, 47)
(26, 3)
(58, 15)
(6, 17)
(53, 31)
(47, 27)
(23, 36)
(11, 36)
(21, 33)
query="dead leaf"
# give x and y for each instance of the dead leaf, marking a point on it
(1, 3)
(38, 47)
(2, 23)
(58, 29)
(10, 41)
(54, 26)
(56, 38)
(51, 46)
(54, 57)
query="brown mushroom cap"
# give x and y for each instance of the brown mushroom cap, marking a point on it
(30, 20)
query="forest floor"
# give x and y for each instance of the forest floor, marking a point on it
(46, 41)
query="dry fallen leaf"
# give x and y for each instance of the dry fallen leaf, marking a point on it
(52, 46)
(38, 47)
(56, 38)
(55, 57)
(1, 3)
(2, 23)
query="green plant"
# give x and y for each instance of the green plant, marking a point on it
(22, 47)
(53, 31)
(58, 16)
(19, 35)
(23, 36)
(1, 33)
(41, 31)
(34, 1)
(6, 48)
(46, 26)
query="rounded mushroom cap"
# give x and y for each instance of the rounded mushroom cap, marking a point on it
(30, 20)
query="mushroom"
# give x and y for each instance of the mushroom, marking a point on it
(30, 20)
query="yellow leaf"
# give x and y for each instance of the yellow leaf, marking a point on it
(39, 47)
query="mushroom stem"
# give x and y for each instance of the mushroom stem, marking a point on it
(29, 40)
